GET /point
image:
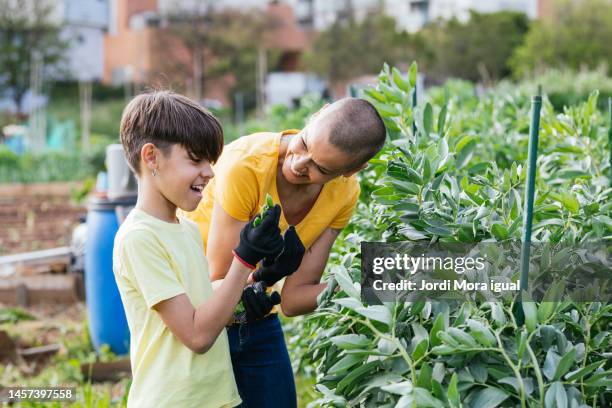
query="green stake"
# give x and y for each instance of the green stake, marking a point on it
(610, 137)
(534, 130)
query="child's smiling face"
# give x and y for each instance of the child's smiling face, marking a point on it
(181, 178)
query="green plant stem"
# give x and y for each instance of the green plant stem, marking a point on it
(395, 341)
(538, 373)
(517, 373)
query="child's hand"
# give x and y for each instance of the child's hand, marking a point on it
(286, 263)
(265, 240)
(257, 304)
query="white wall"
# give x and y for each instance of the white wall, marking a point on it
(85, 58)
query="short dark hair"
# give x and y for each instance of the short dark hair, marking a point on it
(355, 128)
(165, 118)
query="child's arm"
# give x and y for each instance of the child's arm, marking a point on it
(199, 327)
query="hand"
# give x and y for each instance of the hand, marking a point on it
(286, 263)
(265, 240)
(256, 302)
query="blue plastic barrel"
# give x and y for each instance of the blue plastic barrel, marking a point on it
(107, 322)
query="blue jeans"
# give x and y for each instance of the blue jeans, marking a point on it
(261, 364)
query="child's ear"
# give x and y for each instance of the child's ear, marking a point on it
(148, 156)
(355, 170)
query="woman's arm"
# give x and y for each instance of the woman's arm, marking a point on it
(300, 291)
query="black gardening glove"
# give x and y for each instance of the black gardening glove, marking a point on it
(265, 240)
(287, 262)
(256, 302)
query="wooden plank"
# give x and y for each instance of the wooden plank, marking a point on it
(46, 255)
(34, 352)
(47, 189)
(49, 260)
(66, 288)
(111, 371)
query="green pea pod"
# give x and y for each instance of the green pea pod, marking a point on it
(269, 203)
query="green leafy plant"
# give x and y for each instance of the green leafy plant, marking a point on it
(459, 177)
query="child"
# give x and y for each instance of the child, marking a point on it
(178, 346)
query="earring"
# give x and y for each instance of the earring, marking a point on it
(154, 172)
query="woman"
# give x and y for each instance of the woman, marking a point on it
(310, 173)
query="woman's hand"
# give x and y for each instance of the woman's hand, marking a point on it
(287, 262)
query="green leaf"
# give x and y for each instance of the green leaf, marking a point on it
(551, 362)
(345, 282)
(412, 74)
(489, 398)
(565, 364)
(514, 383)
(568, 200)
(531, 315)
(464, 141)
(453, 394)
(386, 109)
(581, 372)
(423, 398)
(481, 333)
(555, 396)
(497, 314)
(345, 363)
(414, 177)
(420, 349)
(406, 401)
(377, 312)
(438, 325)
(411, 233)
(428, 119)
(400, 81)
(465, 154)
(462, 337)
(349, 303)
(353, 377)
(401, 388)
(442, 153)
(479, 168)
(424, 379)
(442, 119)
(375, 94)
(351, 341)
(499, 231)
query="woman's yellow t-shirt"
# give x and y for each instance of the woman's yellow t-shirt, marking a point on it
(246, 171)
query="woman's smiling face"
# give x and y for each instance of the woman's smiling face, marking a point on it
(311, 159)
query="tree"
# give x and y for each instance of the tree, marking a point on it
(349, 48)
(29, 39)
(216, 42)
(478, 50)
(577, 35)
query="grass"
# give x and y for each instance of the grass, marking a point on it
(68, 327)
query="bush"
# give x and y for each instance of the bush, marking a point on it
(49, 166)
(442, 183)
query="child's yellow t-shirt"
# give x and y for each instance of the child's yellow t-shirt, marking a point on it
(155, 260)
(246, 171)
